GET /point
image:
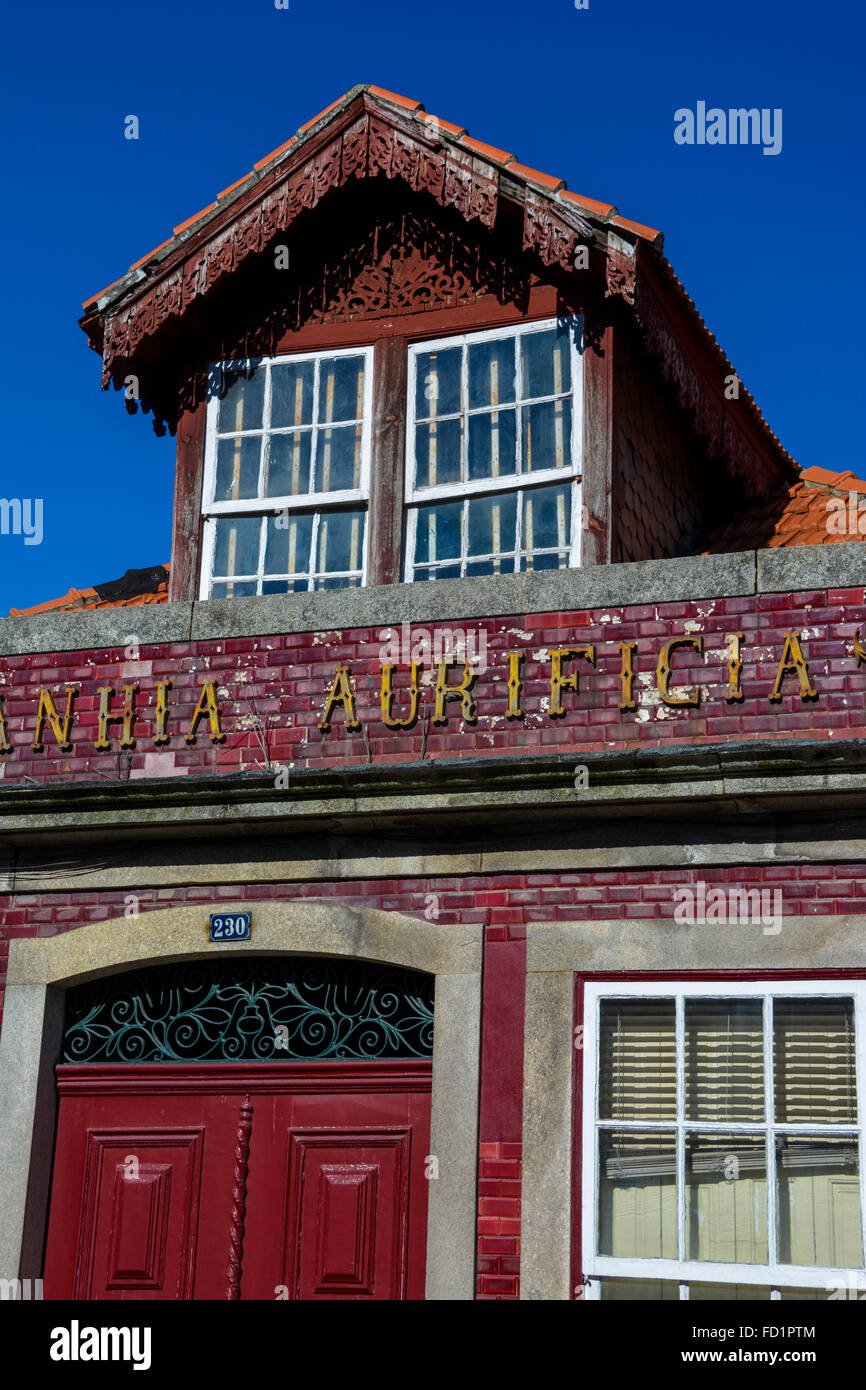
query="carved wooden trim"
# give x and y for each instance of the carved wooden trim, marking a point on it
(620, 268)
(550, 236)
(239, 1200)
(367, 148)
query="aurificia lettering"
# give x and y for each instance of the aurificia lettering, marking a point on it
(444, 692)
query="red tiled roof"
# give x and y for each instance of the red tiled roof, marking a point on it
(78, 599)
(800, 515)
(459, 134)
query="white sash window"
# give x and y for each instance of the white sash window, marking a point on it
(723, 1140)
(494, 437)
(287, 474)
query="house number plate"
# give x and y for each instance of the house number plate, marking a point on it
(230, 926)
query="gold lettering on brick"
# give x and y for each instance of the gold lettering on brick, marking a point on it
(446, 692)
(162, 689)
(47, 709)
(5, 745)
(127, 739)
(560, 682)
(207, 705)
(793, 663)
(692, 696)
(735, 666)
(341, 693)
(626, 675)
(515, 685)
(387, 697)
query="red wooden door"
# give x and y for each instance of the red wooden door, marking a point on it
(337, 1204)
(298, 1180)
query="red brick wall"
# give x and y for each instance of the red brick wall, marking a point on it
(504, 903)
(286, 679)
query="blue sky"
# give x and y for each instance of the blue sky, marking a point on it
(768, 247)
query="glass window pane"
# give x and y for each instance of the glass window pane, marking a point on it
(284, 586)
(237, 472)
(492, 445)
(813, 1061)
(729, 1293)
(655, 1290)
(233, 588)
(492, 522)
(545, 363)
(547, 519)
(818, 1201)
(441, 572)
(341, 389)
(288, 464)
(438, 452)
(242, 399)
(637, 1194)
(341, 541)
(491, 372)
(339, 581)
(637, 1060)
(292, 393)
(724, 1059)
(338, 459)
(545, 562)
(546, 436)
(804, 1295)
(726, 1198)
(438, 386)
(237, 545)
(437, 535)
(287, 548)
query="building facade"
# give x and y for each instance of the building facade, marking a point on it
(447, 879)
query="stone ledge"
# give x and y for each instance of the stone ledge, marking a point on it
(737, 575)
(828, 772)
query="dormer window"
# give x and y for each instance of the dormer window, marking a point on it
(493, 452)
(493, 463)
(287, 474)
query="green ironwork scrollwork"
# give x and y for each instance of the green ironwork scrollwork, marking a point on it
(281, 1009)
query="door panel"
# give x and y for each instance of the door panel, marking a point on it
(131, 1175)
(147, 1202)
(337, 1197)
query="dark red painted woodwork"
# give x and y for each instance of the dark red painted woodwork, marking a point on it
(186, 519)
(146, 1202)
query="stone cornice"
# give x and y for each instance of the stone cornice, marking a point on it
(737, 575)
(773, 775)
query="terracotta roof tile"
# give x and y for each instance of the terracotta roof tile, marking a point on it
(449, 126)
(232, 186)
(590, 204)
(151, 590)
(196, 217)
(799, 515)
(488, 151)
(649, 233)
(260, 164)
(396, 98)
(150, 255)
(523, 171)
(308, 124)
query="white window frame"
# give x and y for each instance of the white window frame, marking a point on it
(317, 503)
(686, 1272)
(513, 483)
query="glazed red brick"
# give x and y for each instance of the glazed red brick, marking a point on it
(273, 690)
